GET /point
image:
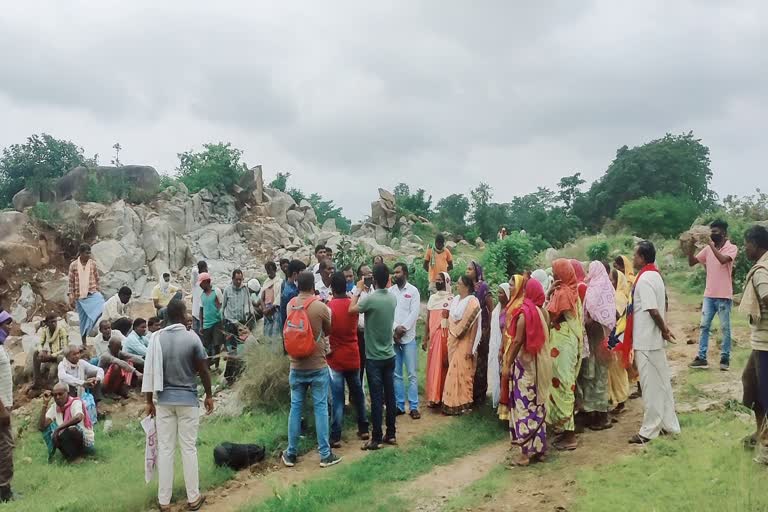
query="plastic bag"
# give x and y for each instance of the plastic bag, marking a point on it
(90, 406)
(150, 450)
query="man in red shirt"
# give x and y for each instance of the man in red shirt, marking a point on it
(344, 361)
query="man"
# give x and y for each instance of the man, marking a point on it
(136, 342)
(717, 257)
(163, 293)
(153, 324)
(210, 319)
(365, 275)
(349, 279)
(6, 402)
(310, 373)
(290, 289)
(66, 425)
(118, 306)
(406, 349)
(202, 268)
(437, 259)
(323, 287)
(79, 374)
(755, 304)
(107, 334)
(120, 368)
(320, 255)
(235, 307)
(84, 294)
(379, 310)
(328, 253)
(170, 372)
(649, 333)
(48, 351)
(269, 302)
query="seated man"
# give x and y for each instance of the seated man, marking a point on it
(119, 368)
(48, 352)
(79, 374)
(163, 293)
(154, 324)
(118, 306)
(136, 342)
(66, 425)
(107, 334)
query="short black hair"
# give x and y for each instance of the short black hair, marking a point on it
(468, 282)
(440, 238)
(338, 283)
(123, 325)
(284, 261)
(325, 264)
(306, 282)
(138, 322)
(402, 266)
(720, 224)
(757, 235)
(153, 320)
(319, 248)
(347, 268)
(380, 275)
(647, 251)
(270, 265)
(296, 266)
(84, 248)
(360, 269)
(177, 311)
(166, 274)
(202, 266)
(235, 272)
(124, 291)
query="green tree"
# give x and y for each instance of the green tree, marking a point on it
(326, 209)
(666, 215)
(539, 214)
(36, 163)
(506, 257)
(416, 203)
(569, 189)
(675, 165)
(280, 182)
(451, 214)
(217, 167)
(486, 216)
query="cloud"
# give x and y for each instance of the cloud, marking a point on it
(349, 96)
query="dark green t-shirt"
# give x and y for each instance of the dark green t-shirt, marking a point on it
(379, 311)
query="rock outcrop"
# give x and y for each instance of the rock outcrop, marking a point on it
(383, 210)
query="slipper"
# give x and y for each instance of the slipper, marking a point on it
(371, 446)
(603, 426)
(392, 441)
(566, 447)
(638, 439)
(197, 504)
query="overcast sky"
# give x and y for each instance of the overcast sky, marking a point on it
(350, 96)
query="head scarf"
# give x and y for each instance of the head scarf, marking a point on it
(622, 292)
(481, 287)
(629, 269)
(254, 285)
(534, 328)
(494, 345)
(458, 308)
(600, 300)
(441, 299)
(517, 299)
(579, 269)
(541, 276)
(165, 285)
(566, 297)
(4, 317)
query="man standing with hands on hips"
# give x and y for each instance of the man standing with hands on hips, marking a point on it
(406, 349)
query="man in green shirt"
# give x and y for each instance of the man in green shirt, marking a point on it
(379, 311)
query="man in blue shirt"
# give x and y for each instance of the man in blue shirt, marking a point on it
(290, 289)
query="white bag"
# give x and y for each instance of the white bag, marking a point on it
(150, 452)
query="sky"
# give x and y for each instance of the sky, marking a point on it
(349, 96)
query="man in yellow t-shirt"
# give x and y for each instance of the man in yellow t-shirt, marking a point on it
(437, 259)
(163, 293)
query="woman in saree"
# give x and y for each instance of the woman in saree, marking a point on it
(480, 386)
(531, 376)
(624, 265)
(498, 325)
(618, 383)
(464, 331)
(436, 339)
(565, 339)
(542, 277)
(516, 292)
(599, 321)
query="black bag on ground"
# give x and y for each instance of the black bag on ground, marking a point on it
(238, 456)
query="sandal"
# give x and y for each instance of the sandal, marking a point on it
(363, 436)
(566, 447)
(371, 446)
(392, 441)
(197, 504)
(638, 439)
(415, 414)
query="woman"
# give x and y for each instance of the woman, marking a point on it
(624, 265)
(498, 325)
(436, 339)
(542, 277)
(269, 301)
(581, 278)
(475, 272)
(618, 383)
(516, 292)
(531, 376)
(599, 320)
(464, 331)
(566, 337)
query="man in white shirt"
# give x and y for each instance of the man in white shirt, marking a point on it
(202, 268)
(320, 255)
(406, 348)
(118, 306)
(79, 374)
(6, 402)
(649, 336)
(323, 286)
(67, 423)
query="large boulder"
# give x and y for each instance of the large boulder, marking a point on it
(74, 184)
(117, 221)
(13, 226)
(329, 225)
(695, 238)
(55, 289)
(374, 248)
(114, 256)
(279, 204)
(294, 218)
(252, 185)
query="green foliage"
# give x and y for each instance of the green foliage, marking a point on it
(570, 189)
(751, 207)
(324, 209)
(420, 277)
(167, 181)
(217, 167)
(35, 163)
(42, 212)
(263, 383)
(504, 258)
(424, 231)
(99, 189)
(451, 214)
(539, 214)
(664, 215)
(488, 217)
(416, 203)
(675, 165)
(350, 252)
(280, 182)
(598, 251)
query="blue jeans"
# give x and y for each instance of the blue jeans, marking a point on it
(352, 378)
(723, 309)
(162, 312)
(407, 354)
(318, 381)
(380, 375)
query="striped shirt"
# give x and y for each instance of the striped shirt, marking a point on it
(74, 280)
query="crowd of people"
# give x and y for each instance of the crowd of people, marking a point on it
(554, 351)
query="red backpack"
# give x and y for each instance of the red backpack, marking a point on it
(298, 335)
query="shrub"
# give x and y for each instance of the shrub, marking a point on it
(41, 212)
(217, 167)
(264, 382)
(350, 252)
(510, 256)
(598, 251)
(667, 216)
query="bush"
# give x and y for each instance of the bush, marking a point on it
(350, 252)
(667, 216)
(598, 251)
(217, 167)
(264, 382)
(510, 256)
(41, 212)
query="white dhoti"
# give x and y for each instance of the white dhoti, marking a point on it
(657, 394)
